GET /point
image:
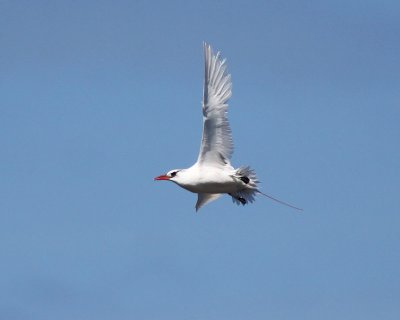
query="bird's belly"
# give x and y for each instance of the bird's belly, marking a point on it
(212, 187)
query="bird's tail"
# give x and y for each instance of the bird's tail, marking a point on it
(249, 178)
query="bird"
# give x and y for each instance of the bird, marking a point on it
(213, 175)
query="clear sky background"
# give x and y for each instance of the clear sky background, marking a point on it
(99, 97)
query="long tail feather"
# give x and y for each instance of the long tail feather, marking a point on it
(279, 201)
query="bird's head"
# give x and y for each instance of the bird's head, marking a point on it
(171, 175)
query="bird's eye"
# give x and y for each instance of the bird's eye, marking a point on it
(173, 174)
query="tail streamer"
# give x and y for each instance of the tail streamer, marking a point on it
(279, 201)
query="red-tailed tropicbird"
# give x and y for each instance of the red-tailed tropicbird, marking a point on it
(212, 175)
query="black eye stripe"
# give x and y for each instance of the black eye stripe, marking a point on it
(173, 174)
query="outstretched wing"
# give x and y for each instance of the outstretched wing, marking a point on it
(216, 145)
(204, 198)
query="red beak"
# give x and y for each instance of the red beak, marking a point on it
(162, 177)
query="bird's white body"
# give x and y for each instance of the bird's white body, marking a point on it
(212, 175)
(206, 179)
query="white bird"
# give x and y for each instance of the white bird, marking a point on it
(213, 175)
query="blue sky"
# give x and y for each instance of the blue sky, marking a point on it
(98, 97)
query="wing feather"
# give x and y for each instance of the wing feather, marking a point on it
(216, 145)
(204, 198)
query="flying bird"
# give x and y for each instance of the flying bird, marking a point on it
(213, 175)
